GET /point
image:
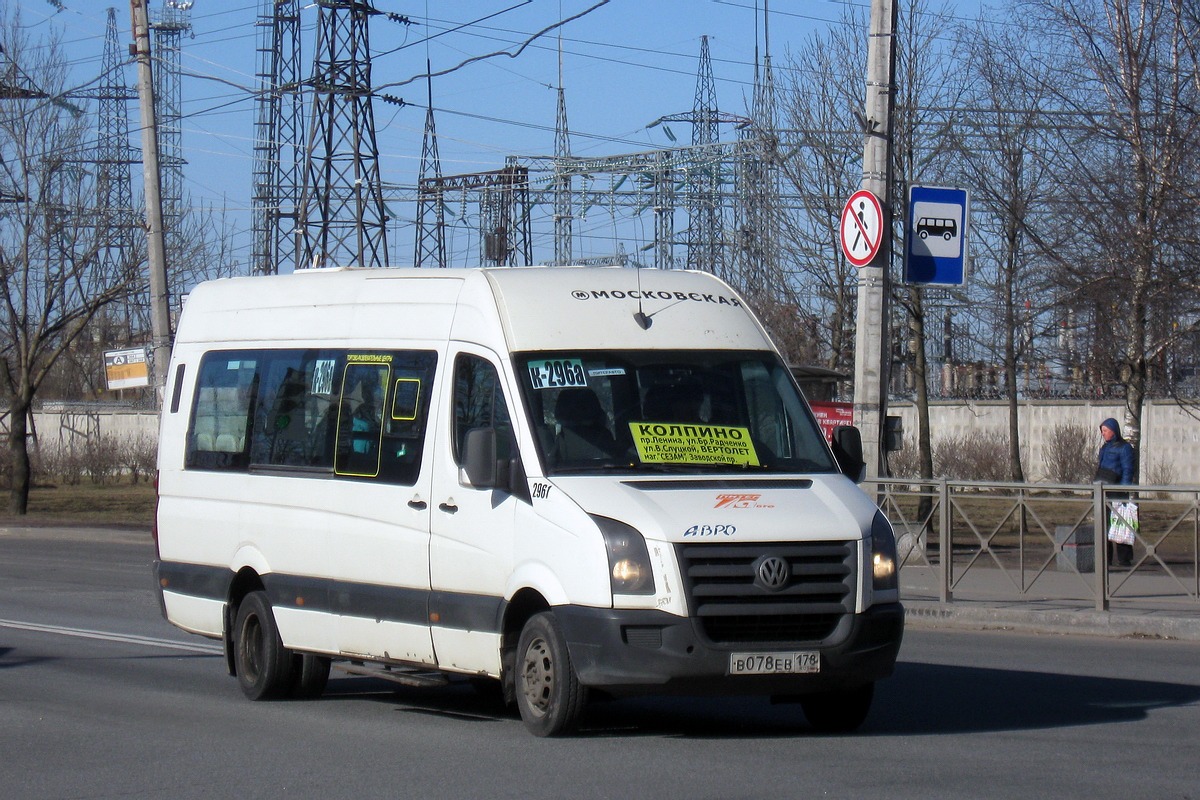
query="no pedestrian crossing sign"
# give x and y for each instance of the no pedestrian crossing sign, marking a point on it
(935, 236)
(862, 228)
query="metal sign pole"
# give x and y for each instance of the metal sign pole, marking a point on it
(160, 317)
(872, 354)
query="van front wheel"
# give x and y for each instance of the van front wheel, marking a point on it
(264, 665)
(549, 695)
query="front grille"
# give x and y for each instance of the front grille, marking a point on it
(733, 608)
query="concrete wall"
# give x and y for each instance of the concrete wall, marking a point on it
(1170, 432)
(70, 428)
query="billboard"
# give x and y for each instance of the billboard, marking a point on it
(127, 369)
(830, 414)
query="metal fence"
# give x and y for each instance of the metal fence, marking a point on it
(1021, 542)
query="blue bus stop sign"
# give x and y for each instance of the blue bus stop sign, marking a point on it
(935, 236)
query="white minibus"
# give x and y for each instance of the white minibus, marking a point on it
(562, 481)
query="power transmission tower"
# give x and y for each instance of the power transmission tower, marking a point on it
(341, 207)
(562, 179)
(705, 234)
(704, 172)
(663, 179)
(278, 157)
(15, 85)
(174, 21)
(757, 253)
(504, 215)
(115, 216)
(502, 197)
(431, 209)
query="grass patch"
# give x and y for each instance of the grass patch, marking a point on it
(122, 505)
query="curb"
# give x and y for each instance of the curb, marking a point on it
(73, 533)
(1079, 622)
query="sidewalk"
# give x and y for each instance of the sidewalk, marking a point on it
(1146, 603)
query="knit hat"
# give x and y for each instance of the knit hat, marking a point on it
(1113, 426)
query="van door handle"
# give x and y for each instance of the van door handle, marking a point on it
(449, 508)
(417, 505)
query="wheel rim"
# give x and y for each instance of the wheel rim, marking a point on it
(252, 644)
(537, 676)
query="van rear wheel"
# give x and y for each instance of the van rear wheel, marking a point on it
(309, 675)
(550, 698)
(264, 665)
(839, 710)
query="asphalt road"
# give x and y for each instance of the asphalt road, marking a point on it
(100, 698)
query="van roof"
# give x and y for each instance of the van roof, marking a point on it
(534, 308)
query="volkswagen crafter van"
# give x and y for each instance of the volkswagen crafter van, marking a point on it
(571, 481)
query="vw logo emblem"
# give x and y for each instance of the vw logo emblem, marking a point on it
(771, 573)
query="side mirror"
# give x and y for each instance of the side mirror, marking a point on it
(482, 468)
(479, 467)
(848, 451)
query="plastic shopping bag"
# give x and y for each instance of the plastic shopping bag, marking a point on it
(1123, 523)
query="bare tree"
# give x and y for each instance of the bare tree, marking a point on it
(1126, 176)
(821, 93)
(52, 282)
(929, 84)
(823, 161)
(998, 146)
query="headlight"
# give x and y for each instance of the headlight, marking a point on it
(884, 570)
(628, 559)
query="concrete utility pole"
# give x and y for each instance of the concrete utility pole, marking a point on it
(160, 316)
(872, 353)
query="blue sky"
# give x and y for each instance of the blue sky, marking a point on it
(624, 64)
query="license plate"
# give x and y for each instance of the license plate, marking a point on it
(774, 663)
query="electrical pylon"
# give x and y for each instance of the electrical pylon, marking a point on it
(703, 171)
(431, 210)
(757, 246)
(705, 245)
(341, 207)
(562, 181)
(116, 224)
(278, 155)
(168, 29)
(116, 218)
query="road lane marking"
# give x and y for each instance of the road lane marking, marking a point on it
(124, 638)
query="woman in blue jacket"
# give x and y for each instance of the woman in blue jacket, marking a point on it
(1115, 465)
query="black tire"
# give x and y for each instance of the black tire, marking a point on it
(263, 664)
(839, 710)
(309, 675)
(549, 695)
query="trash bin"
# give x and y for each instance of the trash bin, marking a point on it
(1077, 548)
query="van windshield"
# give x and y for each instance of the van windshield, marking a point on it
(681, 411)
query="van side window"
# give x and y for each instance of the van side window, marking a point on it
(383, 404)
(295, 421)
(360, 420)
(225, 390)
(479, 403)
(350, 414)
